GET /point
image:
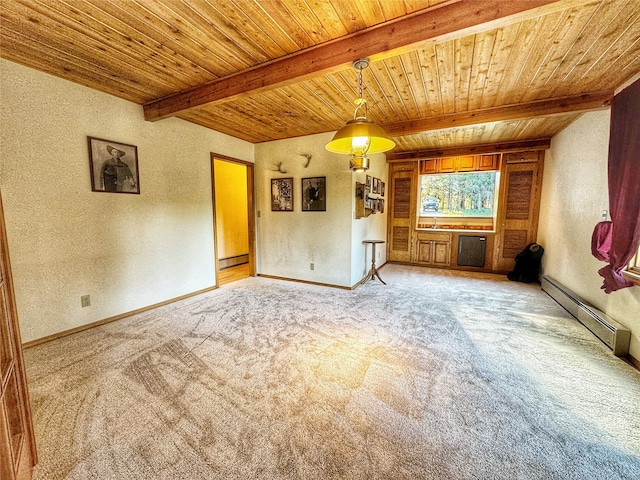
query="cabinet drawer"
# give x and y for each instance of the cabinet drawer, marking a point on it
(434, 236)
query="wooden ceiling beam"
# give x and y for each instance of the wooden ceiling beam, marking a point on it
(539, 108)
(504, 147)
(460, 17)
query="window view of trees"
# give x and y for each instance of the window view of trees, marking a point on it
(458, 194)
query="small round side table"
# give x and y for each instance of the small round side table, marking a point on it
(373, 272)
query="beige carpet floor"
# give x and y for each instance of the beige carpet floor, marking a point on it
(437, 375)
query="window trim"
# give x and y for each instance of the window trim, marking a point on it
(429, 215)
(632, 270)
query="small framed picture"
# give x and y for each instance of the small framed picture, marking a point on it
(368, 183)
(382, 188)
(374, 188)
(282, 194)
(113, 166)
(314, 194)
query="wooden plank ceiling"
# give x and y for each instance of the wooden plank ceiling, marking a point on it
(443, 74)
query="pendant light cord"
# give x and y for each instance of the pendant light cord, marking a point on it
(360, 101)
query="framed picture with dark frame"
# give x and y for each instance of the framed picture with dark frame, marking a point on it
(282, 194)
(382, 188)
(113, 166)
(314, 194)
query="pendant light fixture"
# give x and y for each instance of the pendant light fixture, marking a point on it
(360, 136)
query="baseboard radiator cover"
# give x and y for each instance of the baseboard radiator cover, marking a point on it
(612, 334)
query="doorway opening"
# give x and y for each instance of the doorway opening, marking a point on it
(233, 218)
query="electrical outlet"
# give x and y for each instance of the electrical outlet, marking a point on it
(85, 300)
(312, 266)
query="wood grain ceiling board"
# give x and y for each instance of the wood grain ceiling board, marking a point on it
(146, 50)
(490, 133)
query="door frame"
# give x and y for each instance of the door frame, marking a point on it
(251, 209)
(18, 463)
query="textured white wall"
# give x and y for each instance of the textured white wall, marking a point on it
(126, 251)
(574, 194)
(231, 209)
(373, 227)
(289, 241)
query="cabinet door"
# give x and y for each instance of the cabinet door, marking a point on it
(466, 163)
(447, 164)
(432, 252)
(430, 165)
(424, 252)
(518, 211)
(488, 162)
(441, 254)
(402, 211)
(17, 446)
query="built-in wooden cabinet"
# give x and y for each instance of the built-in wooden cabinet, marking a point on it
(17, 447)
(518, 206)
(462, 163)
(488, 162)
(516, 218)
(433, 248)
(402, 211)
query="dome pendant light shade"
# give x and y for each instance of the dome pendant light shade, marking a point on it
(360, 136)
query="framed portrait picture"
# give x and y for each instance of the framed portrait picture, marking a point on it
(374, 187)
(113, 166)
(314, 194)
(282, 194)
(382, 188)
(368, 183)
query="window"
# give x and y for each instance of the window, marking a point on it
(470, 194)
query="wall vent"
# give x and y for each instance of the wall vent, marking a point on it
(614, 335)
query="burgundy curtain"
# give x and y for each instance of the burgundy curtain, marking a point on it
(617, 241)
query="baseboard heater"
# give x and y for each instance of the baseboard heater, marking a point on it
(614, 335)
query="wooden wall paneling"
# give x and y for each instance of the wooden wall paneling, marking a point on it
(518, 208)
(402, 211)
(521, 157)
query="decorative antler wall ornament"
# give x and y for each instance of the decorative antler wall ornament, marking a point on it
(279, 168)
(308, 157)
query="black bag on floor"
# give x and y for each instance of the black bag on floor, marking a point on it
(528, 262)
